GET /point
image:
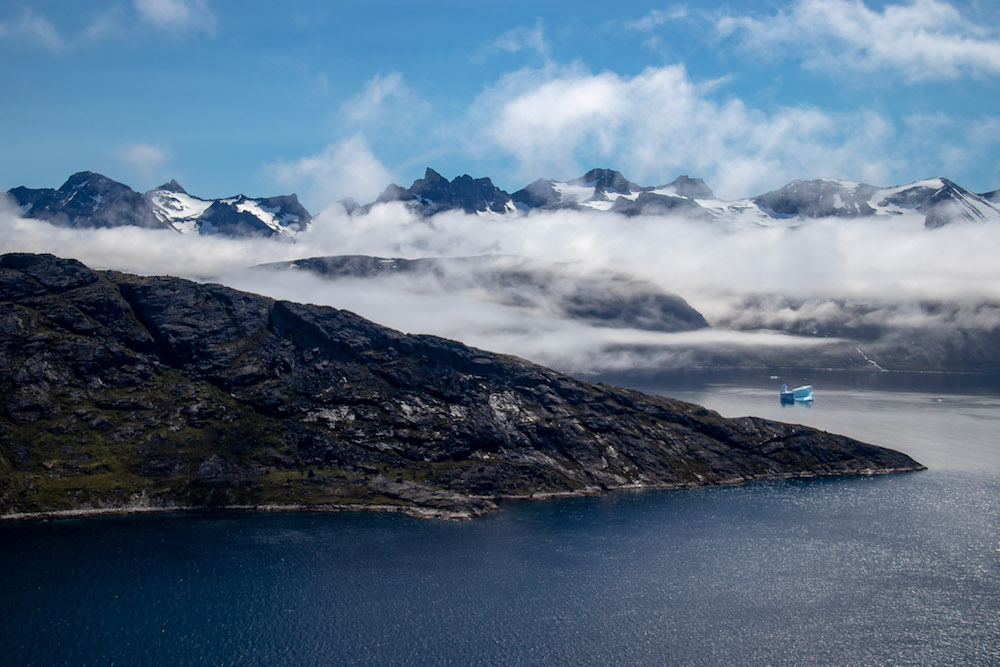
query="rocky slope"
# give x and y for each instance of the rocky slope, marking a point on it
(134, 392)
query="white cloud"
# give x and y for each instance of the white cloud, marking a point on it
(894, 262)
(656, 18)
(921, 40)
(523, 39)
(34, 29)
(144, 160)
(558, 121)
(345, 169)
(108, 23)
(177, 15)
(383, 97)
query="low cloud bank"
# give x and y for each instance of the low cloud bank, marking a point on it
(788, 287)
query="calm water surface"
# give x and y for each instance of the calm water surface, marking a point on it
(886, 570)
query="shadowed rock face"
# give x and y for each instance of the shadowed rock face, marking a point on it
(434, 193)
(648, 203)
(137, 392)
(818, 199)
(87, 199)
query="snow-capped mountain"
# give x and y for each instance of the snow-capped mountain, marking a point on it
(434, 193)
(92, 200)
(939, 200)
(608, 190)
(233, 216)
(87, 199)
(176, 208)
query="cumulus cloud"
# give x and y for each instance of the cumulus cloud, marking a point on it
(344, 169)
(660, 121)
(177, 16)
(33, 28)
(921, 40)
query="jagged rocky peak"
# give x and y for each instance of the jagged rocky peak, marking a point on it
(951, 202)
(349, 204)
(434, 193)
(651, 203)
(537, 194)
(476, 195)
(89, 183)
(393, 193)
(289, 211)
(245, 216)
(172, 186)
(607, 180)
(819, 198)
(87, 199)
(433, 186)
(693, 188)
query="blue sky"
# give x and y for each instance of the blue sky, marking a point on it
(335, 99)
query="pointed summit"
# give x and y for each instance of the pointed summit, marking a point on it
(607, 180)
(692, 188)
(432, 186)
(173, 186)
(537, 194)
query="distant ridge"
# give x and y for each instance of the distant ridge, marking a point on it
(90, 200)
(940, 200)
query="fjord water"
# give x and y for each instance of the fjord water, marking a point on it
(901, 569)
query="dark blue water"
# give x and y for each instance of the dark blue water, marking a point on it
(886, 570)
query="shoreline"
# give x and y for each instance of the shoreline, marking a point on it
(420, 512)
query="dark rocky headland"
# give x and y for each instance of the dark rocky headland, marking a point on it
(127, 393)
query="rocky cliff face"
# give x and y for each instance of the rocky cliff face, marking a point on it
(87, 199)
(434, 193)
(133, 392)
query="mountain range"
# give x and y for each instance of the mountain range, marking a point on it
(88, 199)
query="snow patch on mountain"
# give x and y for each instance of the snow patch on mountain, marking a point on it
(178, 209)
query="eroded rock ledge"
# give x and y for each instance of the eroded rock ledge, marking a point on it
(155, 393)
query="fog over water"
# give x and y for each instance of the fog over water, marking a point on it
(737, 274)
